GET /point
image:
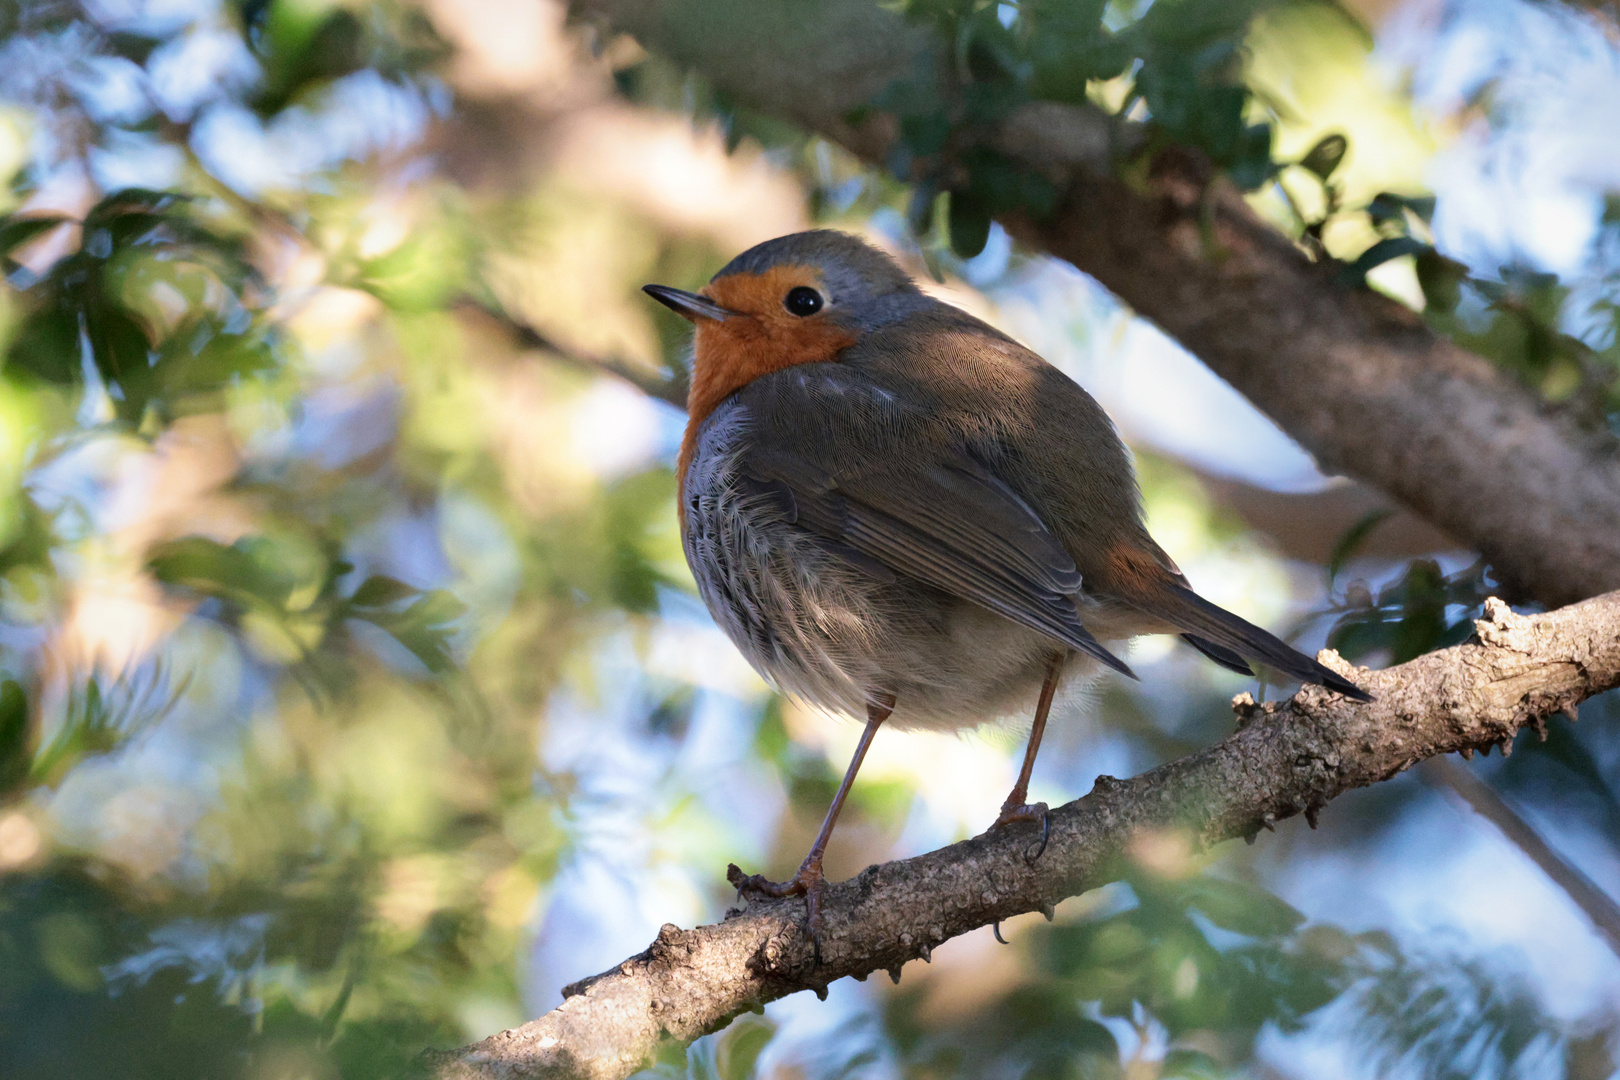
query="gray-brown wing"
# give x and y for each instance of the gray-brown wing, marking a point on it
(954, 526)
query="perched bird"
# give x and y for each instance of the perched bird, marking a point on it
(895, 510)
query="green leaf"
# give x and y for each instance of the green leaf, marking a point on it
(122, 351)
(302, 45)
(1351, 541)
(437, 608)
(47, 346)
(127, 201)
(927, 134)
(1251, 164)
(16, 758)
(97, 721)
(381, 591)
(1441, 280)
(1355, 274)
(1387, 206)
(1326, 156)
(17, 231)
(425, 627)
(1242, 908)
(244, 573)
(969, 223)
(200, 356)
(739, 1048)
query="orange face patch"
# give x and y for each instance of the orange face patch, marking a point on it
(761, 338)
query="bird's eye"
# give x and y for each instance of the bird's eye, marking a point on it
(803, 301)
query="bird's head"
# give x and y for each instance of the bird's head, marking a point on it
(798, 299)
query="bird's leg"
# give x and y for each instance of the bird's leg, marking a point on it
(808, 882)
(1015, 808)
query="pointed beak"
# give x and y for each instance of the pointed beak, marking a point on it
(686, 304)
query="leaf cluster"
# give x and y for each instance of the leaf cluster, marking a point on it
(1181, 62)
(1529, 323)
(1202, 966)
(1421, 610)
(302, 47)
(156, 303)
(294, 604)
(1437, 1014)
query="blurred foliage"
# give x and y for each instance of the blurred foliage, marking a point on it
(258, 585)
(160, 303)
(1185, 975)
(1519, 318)
(1180, 68)
(1421, 610)
(1450, 1018)
(1182, 61)
(372, 833)
(342, 630)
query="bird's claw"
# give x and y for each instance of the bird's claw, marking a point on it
(761, 886)
(808, 883)
(1028, 812)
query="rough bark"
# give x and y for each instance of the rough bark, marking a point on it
(1355, 377)
(1286, 758)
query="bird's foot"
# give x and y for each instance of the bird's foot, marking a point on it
(808, 883)
(1011, 812)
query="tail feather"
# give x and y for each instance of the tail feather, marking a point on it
(1228, 659)
(1234, 638)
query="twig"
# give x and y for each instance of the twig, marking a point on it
(1597, 905)
(666, 388)
(1286, 758)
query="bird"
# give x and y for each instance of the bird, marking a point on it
(896, 511)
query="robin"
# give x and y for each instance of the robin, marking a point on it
(895, 510)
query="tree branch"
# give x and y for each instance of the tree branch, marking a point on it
(1286, 758)
(1598, 906)
(666, 388)
(1355, 377)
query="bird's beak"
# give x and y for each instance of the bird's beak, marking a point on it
(687, 305)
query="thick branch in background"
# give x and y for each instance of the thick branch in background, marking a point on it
(1286, 758)
(1355, 377)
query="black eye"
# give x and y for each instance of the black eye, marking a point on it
(803, 301)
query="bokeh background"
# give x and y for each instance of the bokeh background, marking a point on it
(356, 695)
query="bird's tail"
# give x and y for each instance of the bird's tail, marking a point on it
(1225, 638)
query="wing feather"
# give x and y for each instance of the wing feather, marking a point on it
(952, 525)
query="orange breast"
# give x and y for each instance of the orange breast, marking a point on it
(761, 339)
